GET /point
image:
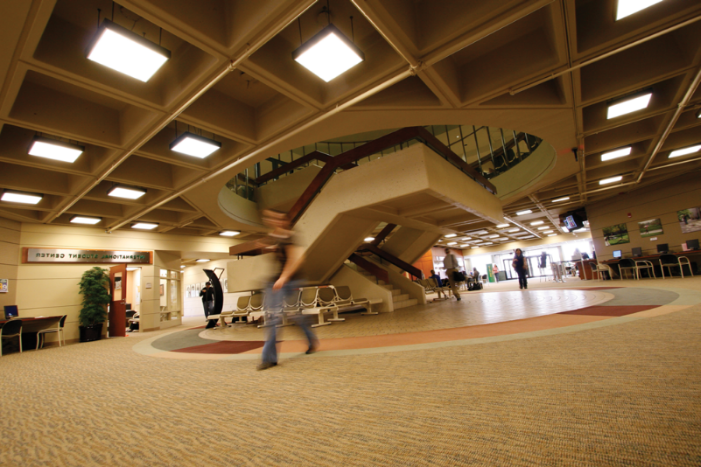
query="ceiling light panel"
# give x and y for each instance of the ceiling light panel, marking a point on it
(368, 239)
(629, 7)
(328, 54)
(450, 235)
(194, 145)
(523, 213)
(126, 52)
(229, 233)
(536, 223)
(543, 228)
(126, 192)
(685, 151)
(606, 181)
(56, 150)
(513, 230)
(502, 226)
(85, 220)
(20, 197)
(144, 226)
(616, 154)
(627, 106)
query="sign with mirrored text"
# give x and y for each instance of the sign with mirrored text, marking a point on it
(53, 255)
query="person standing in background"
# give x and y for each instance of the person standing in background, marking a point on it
(521, 267)
(450, 263)
(207, 295)
(495, 271)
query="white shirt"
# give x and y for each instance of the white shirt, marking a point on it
(449, 262)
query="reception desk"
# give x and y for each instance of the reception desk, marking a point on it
(584, 268)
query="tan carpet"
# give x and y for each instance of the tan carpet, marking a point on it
(627, 394)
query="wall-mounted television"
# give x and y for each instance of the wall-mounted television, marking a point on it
(573, 221)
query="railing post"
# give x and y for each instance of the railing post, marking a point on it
(518, 150)
(477, 145)
(491, 149)
(462, 143)
(503, 145)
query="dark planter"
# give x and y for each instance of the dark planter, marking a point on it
(90, 333)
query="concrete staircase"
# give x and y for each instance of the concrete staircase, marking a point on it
(399, 298)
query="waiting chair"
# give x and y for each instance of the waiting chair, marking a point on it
(600, 269)
(310, 304)
(344, 297)
(12, 328)
(627, 265)
(672, 261)
(41, 335)
(645, 265)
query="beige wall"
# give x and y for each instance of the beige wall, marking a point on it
(661, 200)
(9, 259)
(195, 275)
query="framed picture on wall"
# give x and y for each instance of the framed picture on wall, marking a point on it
(689, 219)
(187, 291)
(650, 228)
(616, 234)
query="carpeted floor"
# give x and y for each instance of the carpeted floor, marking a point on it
(625, 394)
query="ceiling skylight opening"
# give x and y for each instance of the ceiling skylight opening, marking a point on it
(628, 105)
(502, 226)
(21, 197)
(127, 192)
(126, 52)
(685, 151)
(194, 145)
(229, 233)
(616, 154)
(328, 54)
(536, 223)
(54, 149)
(566, 198)
(629, 7)
(523, 213)
(144, 226)
(85, 220)
(450, 235)
(606, 181)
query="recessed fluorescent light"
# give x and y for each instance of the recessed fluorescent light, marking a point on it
(144, 226)
(685, 151)
(527, 236)
(698, 114)
(368, 239)
(523, 213)
(328, 54)
(127, 192)
(616, 154)
(629, 7)
(481, 232)
(464, 246)
(452, 243)
(545, 227)
(536, 223)
(202, 260)
(610, 180)
(182, 266)
(85, 220)
(450, 235)
(547, 231)
(565, 229)
(194, 145)
(513, 230)
(20, 197)
(488, 243)
(126, 52)
(627, 106)
(229, 233)
(56, 150)
(552, 235)
(466, 239)
(492, 236)
(566, 198)
(502, 226)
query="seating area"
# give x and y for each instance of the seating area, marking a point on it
(320, 301)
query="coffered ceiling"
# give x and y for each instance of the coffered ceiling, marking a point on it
(546, 67)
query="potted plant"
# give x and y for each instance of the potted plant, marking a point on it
(94, 287)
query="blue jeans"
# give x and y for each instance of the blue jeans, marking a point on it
(275, 298)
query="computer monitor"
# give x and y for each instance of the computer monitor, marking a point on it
(617, 253)
(11, 311)
(692, 244)
(637, 252)
(662, 248)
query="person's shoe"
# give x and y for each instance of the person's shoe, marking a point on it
(266, 365)
(312, 347)
(458, 298)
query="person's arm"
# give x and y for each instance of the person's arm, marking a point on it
(294, 261)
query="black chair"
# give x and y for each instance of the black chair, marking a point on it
(627, 265)
(12, 328)
(673, 261)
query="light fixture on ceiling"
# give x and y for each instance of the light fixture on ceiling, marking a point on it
(481, 232)
(513, 230)
(698, 114)
(685, 151)
(466, 239)
(524, 212)
(144, 226)
(628, 104)
(606, 181)
(450, 235)
(328, 54)
(488, 243)
(12, 196)
(229, 233)
(182, 266)
(452, 243)
(202, 260)
(502, 226)
(545, 227)
(565, 229)
(547, 231)
(616, 154)
(194, 145)
(85, 220)
(127, 192)
(492, 236)
(368, 239)
(54, 149)
(566, 198)
(527, 236)
(465, 246)
(536, 223)
(629, 7)
(126, 52)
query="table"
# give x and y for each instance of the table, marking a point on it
(614, 262)
(31, 326)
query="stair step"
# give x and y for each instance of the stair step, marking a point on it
(405, 303)
(400, 298)
(396, 291)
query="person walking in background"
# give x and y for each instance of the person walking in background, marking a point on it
(207, 295)
(450, 263)
(521, 267)
(289, 258)
(495, 271)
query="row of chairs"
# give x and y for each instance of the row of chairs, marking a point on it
(306, 300)
(13, 328)
(636, 267)
(431, 286)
